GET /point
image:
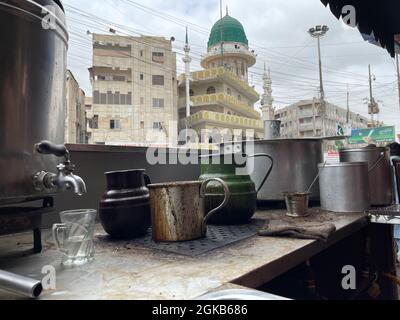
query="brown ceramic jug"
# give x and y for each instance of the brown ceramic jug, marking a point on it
(125, 208)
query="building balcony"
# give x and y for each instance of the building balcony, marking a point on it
(223, 120)
(306, 126)
(243, 52)
(306, 114)
(209, 75)
(221, 99)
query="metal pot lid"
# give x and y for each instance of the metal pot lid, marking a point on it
(366, 149)
(342, 164)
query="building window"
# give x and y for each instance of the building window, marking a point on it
(158, 57)
(103, 98)
(110, 97)
(211, 90)
(239, 97)
(94, 122)
(229, 91)
(158, 103)
(96, 97)
(141, 53)
(123, 99)
(117, 98)
(142, 125)
(157, 126)
(141, 76)
(101, 78)
(141, 100)
(119, 78)
(115, 124)
(158, 80)
(191, 93)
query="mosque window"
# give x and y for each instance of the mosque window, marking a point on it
(211, 90)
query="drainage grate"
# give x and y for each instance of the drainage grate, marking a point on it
(217, 237)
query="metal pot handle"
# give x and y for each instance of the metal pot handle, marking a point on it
(259, 155)
(147, 179)
(227, 194)
(381, 158)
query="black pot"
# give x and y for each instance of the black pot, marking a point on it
(125, 208)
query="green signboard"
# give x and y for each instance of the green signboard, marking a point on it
(371, 136)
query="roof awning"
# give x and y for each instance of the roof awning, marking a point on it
(378, 21)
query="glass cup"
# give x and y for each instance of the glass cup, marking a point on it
(74, 236)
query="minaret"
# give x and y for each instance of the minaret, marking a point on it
(187, 60)
(268, 111)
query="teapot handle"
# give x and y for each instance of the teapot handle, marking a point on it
(259, 155)
(223, 204)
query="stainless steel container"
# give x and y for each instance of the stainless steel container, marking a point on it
(380, 176)
(32, 93)
(344, 187)
(296, 166)
(272, 129)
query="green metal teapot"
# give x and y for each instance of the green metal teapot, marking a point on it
(243, 202)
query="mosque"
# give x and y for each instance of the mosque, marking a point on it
(219, 98)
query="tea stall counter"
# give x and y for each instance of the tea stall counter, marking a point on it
(125, 271)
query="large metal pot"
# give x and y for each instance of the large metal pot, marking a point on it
(380, 176)
(296, 166)
(32, 91)
(344, 187)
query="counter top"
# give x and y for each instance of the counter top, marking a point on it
(125, 271)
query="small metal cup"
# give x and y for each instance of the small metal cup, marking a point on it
(297, 204)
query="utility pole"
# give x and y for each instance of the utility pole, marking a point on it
(348, 105)
(398, 74)
(371, 98)
(318, 32)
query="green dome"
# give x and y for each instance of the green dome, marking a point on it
(230, 29)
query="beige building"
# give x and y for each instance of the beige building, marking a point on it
(303, 119)
(75, 114)
(221, 100)
(134, 90)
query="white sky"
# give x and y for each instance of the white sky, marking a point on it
(277, 31)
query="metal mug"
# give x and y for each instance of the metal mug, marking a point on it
(178, 210)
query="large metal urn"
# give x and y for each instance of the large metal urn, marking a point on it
(295, 165)
(32, 97)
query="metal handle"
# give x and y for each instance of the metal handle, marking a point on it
(49, 148)
(227, 194)
(147, 179)
(56, 229)
(259, 155)
(381, 158)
